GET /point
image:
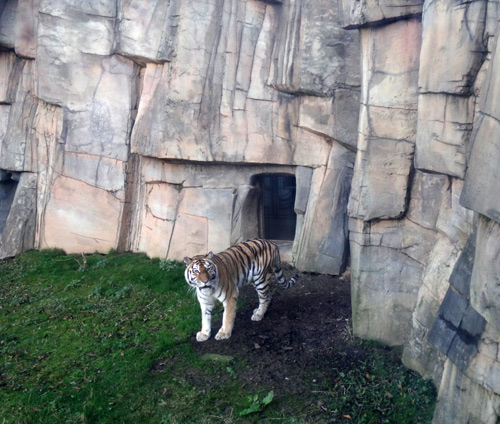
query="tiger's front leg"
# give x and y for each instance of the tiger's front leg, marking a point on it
(207, 306)
(227, 319)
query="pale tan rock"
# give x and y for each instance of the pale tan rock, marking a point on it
(325, 224)
(26, 29)
(485, 287)
(190, 237)
(387, 263)
(418, 354)
(11, 68)
(18, 152)
(97, 171)
(452, 46)
(359, 13)
(143, 30)
(69, 56)
(7, 23)
(313, 53)
(444, 128)
(80, 218)
(386, 144)
(102, 128)
(462, 400)
(18, 235)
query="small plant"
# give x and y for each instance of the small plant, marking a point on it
(231, 372)
(255, 404)
(169, 265)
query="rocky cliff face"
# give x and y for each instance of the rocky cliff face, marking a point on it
(146, 125)
(423, 205)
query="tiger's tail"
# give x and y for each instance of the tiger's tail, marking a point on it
(283, 282)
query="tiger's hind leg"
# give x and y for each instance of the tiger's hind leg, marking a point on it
(262, 288)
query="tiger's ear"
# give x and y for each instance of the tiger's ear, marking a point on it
(187, 260)
(210, 255)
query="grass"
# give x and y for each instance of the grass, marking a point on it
(106, 339)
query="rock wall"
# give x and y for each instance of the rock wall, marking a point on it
(424, 212)
(144, 125)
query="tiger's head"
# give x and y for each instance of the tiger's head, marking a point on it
(201, 272)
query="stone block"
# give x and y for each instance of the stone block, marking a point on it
(245, 219)
(11, 68)
(439, 266)
(158, 217)
(419, 355)
(485, 279)
(443, 132)
(461, 276)
(61, 8)
(346, 116)
(102, 129)
(17, 151)
(461, 351)
(190, 237)
(303, 177)
(380, 180)
(18, 232)
(323, 246)
(453, 307)
(481, 192)
(386, 144)
(69, 56)
(455, 221)
(4, 122)
(452, 46)
(427, 196)
(7, 23)
(462, 400)
(155, 236)
(315, 114)
(390, 80)
(358, 14)
(97, 171)
(144, 29)
(441, 335)
(472, 324)
(80, 218)
(7, 193)
(384, 281)
(323, 56)
(26, 29)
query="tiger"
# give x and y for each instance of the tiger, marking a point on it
(219, 276)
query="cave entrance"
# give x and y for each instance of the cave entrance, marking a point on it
(277, 217)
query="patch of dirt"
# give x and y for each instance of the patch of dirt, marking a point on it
(304, 337)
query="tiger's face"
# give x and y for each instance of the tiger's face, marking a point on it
(201, 272)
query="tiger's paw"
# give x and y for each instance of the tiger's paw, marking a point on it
(222, 336)
(201, 337)
(257, 316)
